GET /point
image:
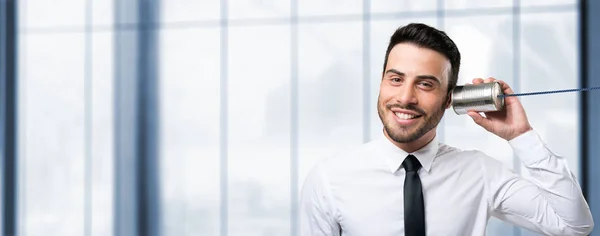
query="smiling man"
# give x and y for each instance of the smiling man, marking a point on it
(406, 182)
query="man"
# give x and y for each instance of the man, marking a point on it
(407, 183)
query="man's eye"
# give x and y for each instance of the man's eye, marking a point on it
(426, 85)
(396, 79)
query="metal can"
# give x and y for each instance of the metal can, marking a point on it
(484, 97)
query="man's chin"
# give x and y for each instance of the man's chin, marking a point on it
(404, 138)
(402, 134)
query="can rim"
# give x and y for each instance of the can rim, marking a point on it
(497, 92)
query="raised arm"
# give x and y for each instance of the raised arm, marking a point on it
(550, 202)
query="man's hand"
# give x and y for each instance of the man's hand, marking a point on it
(508, 123)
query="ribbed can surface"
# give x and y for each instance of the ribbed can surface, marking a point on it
(479, 98)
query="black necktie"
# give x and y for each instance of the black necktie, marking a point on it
(414, 210)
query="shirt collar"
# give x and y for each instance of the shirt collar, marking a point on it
(394, 156)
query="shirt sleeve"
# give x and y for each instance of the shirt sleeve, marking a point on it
(550, 202)
(317, 213)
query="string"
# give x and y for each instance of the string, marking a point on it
(548, 92)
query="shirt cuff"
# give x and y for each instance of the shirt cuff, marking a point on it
(529, 148)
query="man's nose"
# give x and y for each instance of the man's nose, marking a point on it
(407, 95)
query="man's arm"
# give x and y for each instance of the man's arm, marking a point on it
(317, 215)
(550, 202)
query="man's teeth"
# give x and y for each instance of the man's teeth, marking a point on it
(405, 116)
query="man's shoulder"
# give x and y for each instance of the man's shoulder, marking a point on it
(470, 155)
(478, 163)
(445, 149)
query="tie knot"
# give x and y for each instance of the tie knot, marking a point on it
(411, 163)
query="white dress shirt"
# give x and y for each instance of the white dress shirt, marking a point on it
(359, 192)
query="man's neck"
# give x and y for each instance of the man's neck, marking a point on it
(414, 145)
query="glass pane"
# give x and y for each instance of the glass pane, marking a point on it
(526, 3)
(243, 9)
(330, 90)
(329, 7)
(190, 131)
(102, 134)
(37, 13)
(549, 61)
(103, 12)
(259, 124)
(486, 47)
(470, 4)
(381, 31)
(51, 155)
(190, 10)
(403, 6)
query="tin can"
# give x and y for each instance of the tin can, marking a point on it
(482, 97)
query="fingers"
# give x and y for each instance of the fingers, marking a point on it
(477, 81)
(480, 80)
(489, 80)
(505, 87)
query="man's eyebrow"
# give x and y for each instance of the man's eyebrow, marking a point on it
(395, 72)
(429, 77)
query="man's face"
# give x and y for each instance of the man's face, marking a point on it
(412, 94)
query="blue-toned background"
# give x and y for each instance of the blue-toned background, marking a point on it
(203, 117)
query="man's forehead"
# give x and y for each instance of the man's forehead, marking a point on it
(413, 68)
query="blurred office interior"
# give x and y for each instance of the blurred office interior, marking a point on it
(189, 117)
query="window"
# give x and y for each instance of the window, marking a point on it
(252, 95)
(65, 104)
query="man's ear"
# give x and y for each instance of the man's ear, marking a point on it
(448, 100)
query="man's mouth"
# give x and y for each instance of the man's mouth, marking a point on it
(406, 116)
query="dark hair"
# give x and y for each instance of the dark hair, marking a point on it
(426, 36)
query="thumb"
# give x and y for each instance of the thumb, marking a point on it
(480, 120)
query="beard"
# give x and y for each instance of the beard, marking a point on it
(403, 134)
